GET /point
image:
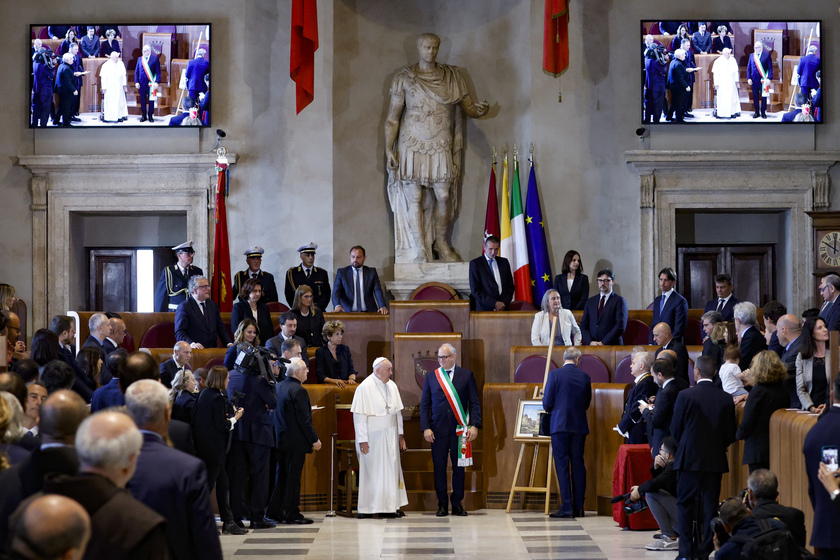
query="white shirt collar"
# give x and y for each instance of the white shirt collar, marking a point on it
(666, 382)
(641, 377)
(668, 293)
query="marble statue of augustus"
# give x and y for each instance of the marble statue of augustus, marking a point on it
(423, 143)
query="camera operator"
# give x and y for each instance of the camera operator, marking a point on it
(660, 493)
(252, 436)
(740, 526)
(762, 491)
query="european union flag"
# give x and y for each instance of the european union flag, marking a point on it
(541, 279)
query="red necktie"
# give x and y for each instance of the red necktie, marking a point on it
(601, 305)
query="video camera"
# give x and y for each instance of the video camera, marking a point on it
(630, 507)
(257, 360)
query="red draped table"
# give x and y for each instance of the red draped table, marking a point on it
(632, 467)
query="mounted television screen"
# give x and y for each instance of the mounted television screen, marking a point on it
(712, 72)
(113, 75)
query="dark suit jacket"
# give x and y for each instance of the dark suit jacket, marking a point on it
(435, 412)
(325, 364)
(196, 69)
(343, 289)
(826, 530)
(608, 328)
(65, 81)
(168, 371)
(752, 70)
(184, 407)
(681, 371)
(107, 396)
(713, 350)
(242, 310)
(728, 309)
(793, 518)
(831, 315)
(269, 286)
(211, 426)
(318, 280)
(659, 421)
(678, 78)
(807, 70)
(752, 342)
(567, 397)
(293, 417)
(140, 76)
(174, 484)
(675, 315)
(82, 384)
(764, 399)
(180, 434)
(255, 424)
(789, 359)
(664, 478)
(704, 427)
(574, 299)
(191, 325)
(483, 287)
(791, 115)
(276, 342)
(632, 422)
(774, 345)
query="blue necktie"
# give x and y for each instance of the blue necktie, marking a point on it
(357, 305)
(662, 304)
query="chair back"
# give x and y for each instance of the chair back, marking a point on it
(517, 305)
(277, 307)
(693, 333)
(622, 371)
(532, 370)
(654, 29)
(344, 426)
(435, 291)
(159, 335)
(312, 376)
(428, 321)
(691, 381)
(636, 333)
(595, 367)
(128, 343)
(649, 306)
(217, 361)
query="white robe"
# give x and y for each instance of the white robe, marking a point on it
(726, 74)
(381, 483)
(112, 76)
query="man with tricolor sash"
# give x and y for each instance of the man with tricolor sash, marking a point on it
(450, 417)
(146, 80)
(759, 76)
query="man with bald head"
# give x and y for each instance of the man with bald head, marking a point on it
(50, 527)
(13, 332)
(662, 336)
(116, 336)
(180, 360)
(61, 414)
(108, 444)
(788, 330)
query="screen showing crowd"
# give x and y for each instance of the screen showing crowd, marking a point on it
(111, 75)
(731, 71)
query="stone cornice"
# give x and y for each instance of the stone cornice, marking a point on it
(106, 164)
(646, 161)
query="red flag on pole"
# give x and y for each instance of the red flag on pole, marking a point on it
(220, 285)
(304, 43)
(491, 221)
(556, 37)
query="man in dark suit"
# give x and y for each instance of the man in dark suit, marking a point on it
(690, 69)
(146, 79)
(658, 416)
(789, 329)
(170, 482)
(356, 287)
(253, 257)
(61, 414)
(825, 535)
(253, 439)
(799, 101)
(704, 426)
(491, 282)
(725, 302)
(656, 73)
(90, 43)
(197, 320)
(307, 273)
(109, 395)
(759, 70)
(830, 310)
(180, 360)
(632, 424)
(807, 70)
(670, 307)
(604, 315)
(197, 68)
(662, 337)
(446, 428)
(752, 341)
(771, 312)
(567, 397)
(172, 287)
(763, 492)
(294, 437)
(288, 327)
(65, 327)
(679, 85)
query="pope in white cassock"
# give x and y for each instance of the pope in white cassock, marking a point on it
(726, 74)
(113, 81)
(377, 416)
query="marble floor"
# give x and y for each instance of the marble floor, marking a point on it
(484, 534)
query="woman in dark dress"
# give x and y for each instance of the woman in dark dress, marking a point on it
(721, 41)
(682, 33)
(252, 306)
(110, 44)
(333, 362)
(69, 39)
(310, 320)
(213, 422)
(247, 331)
(182, 396)
(812, 377)
(767, 377)
(572, 284)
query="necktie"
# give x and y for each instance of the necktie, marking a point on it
(357, 292)
(494, 268)
(308, 272)
(601, 305)
(662, 303)
(720, 305)
(449, 373)
(203, 309)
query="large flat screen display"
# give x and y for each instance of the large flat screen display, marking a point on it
(747, 72)
(95, 75)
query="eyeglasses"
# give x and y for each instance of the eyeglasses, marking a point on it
(604, 280)
(204, 286)
(446, 357)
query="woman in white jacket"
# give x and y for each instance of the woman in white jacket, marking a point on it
(568, 332)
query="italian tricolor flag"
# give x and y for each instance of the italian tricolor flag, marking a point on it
(519, 257)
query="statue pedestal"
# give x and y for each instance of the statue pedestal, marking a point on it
(407, 276)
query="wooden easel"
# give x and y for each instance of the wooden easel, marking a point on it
(546, 490)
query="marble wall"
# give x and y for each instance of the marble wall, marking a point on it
(320, 175)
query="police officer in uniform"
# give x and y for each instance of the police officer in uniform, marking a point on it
(314, 277)
(172, 287)
(253, 257)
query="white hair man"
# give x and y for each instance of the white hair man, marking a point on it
(759, 75)
(632, 424)
(752, 341)
(180, 360)
(100, 329)
(377, 418)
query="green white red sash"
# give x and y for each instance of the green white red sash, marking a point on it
(152, 78)
(765, 83)
(462, 419)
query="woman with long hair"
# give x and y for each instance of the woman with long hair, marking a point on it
(812, 377)
(247, 331)
(251, 305)
(7, 297)
(572, 284)
(310, 320)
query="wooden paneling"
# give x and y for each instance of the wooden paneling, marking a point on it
(414, 352)
(492, 334)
